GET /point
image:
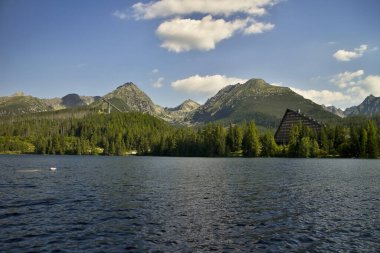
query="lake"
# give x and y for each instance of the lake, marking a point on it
(140, 204)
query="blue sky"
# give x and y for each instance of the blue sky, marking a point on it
(327, 51)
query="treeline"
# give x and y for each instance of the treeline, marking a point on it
(245, 140)
(114, 134)
(126, 133)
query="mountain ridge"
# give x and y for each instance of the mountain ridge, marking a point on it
(253, 100)
(369, 107)
(257, 100)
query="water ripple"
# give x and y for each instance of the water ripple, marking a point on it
(142, 204)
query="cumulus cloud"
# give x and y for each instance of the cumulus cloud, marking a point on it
(346, 79)
(357, 85)
(207, 85)
(168, 8)
(372, 85)
(325, 97)
(158, 83)
(258, 27)
(368, 86)
(220, 20)
(344, 55)
(185, 34)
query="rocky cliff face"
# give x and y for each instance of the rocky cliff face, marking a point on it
(369, 107)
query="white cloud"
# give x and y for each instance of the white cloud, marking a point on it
(325, 97)
(357, 95)
(181, 35)
(346, 79)
(258, 27)
(155, 71)
(121, 15)
(368, 86)
(168, 8)
(158, 83)
(371, 84)
(207, 85)
(344, 55)
(353, 88)
(357, 85)
(220, 20)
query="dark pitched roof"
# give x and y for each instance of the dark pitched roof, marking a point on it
(291, 118)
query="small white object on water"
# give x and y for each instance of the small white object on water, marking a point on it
(53, 169)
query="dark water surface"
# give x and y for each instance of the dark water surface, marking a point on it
(140, 204)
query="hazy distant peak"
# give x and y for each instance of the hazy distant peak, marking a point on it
(188, 105)
(18, 94)
(72, 100)
(337, 111)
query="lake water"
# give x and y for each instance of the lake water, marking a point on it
(140, 204)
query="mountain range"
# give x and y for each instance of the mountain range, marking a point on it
(253, 100)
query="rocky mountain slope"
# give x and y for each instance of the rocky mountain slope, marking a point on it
(182, 113)
(128, 97)
(20, 104)
(337, 111)
(369, 107)
(70, 101)
(253, 100)
(257, 100)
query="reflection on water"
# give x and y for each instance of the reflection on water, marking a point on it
(188, 204)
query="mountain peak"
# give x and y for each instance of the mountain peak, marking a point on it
(370, 107)
(128, 97)
(72, 100)
(257, 81)
(127, 85)
(337, 111)
(258, 100)
(18, 94)
(188, 105)
(369, 98)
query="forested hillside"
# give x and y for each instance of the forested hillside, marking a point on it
(88, 132)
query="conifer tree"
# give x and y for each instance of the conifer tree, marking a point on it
(324, 140)
(372, 142)
(304, 147)
(269, 146)
(363, 143)
(234, 138)
(251, 140)
(294, 141)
